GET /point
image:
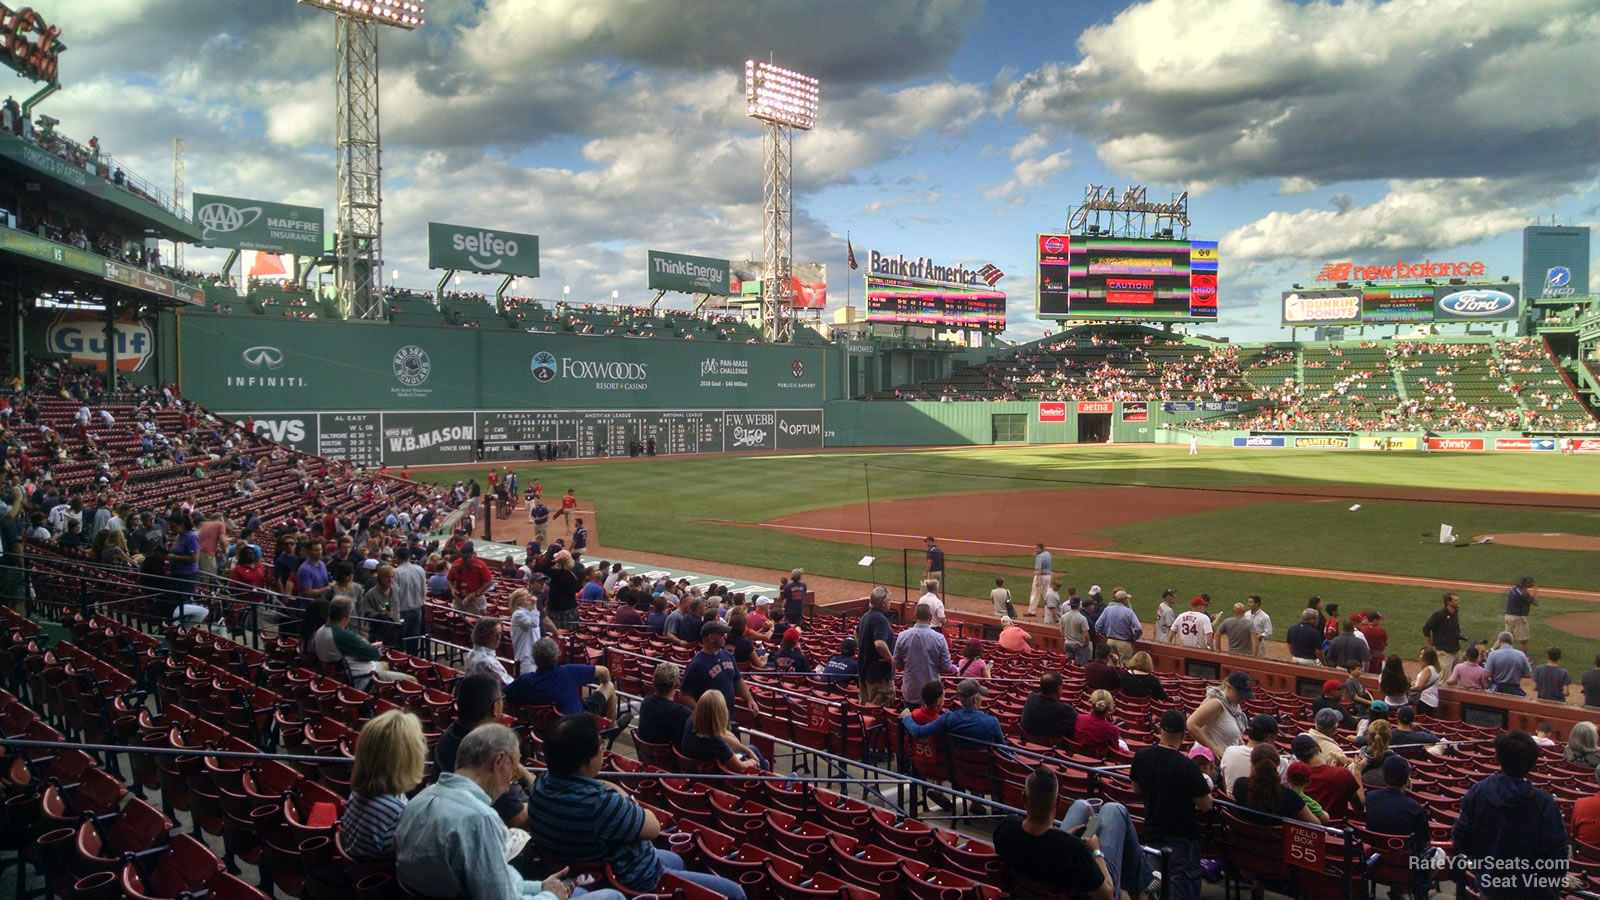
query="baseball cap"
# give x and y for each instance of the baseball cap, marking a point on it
(1406, 714)
(1169, 592)
(1122, 595)
(1198, 602)
(1373, 616)
(1263, 726)
(1299, 771)
(1240, 681)
(1094, 589)
(1331, 685)
(539, 576)
(1304, 745)
(970, 687)
(791, 636)
(1201, 751)
(763, 601)
(468, 549)
(1380, 706)
(1328, 717)
(1174, 722)
(975, 644)
(713, 627)
(369, 563)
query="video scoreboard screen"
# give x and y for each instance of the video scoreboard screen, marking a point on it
(1083, 277)
(914, 301)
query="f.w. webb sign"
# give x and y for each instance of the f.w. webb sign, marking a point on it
(469, 249)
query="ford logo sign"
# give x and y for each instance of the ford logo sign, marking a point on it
(1478, 304)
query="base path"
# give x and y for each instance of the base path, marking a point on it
(1544, 540)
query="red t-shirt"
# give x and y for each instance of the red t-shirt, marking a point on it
(491, 481)
(1332, 787)
(470, 575)
(1094, 732)
(922, 716)
(253, 577)
(1377, 638)
(330, 526)
(1586, 820)
(569, 502)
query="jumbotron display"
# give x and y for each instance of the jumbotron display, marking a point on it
(916, 301)
(1082, 277)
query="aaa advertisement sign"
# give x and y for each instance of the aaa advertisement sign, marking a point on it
(81, 337)
(1052, 411)
(241, 224)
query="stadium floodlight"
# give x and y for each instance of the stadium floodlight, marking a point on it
(778, 95)
(398, 13)
(782, 100)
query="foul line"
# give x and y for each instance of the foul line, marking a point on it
(1265, 568)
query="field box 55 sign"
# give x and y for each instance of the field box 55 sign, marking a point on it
(470, 249)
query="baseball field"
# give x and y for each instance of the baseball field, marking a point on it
(1359, 529)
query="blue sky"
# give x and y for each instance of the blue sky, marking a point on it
(956, 129)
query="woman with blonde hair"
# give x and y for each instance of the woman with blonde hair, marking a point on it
(1138, 680)
(110, 548)
(390, 754)
(707, 737)
(1096, 732)
(1369, 765)
(1581, 743)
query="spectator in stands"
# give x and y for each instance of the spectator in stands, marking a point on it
(1377, 638)
(1469, 674)
(524, 627)
(1239, 632)
(1405, 729)
(1442, 632)
(875, 640)
(1101, 673)
(183, 562)
(932, 704)
(561, 609)
(311, 578)
(479, 701)
(921, 654)
(1097, 732)
(661, 717)
(334, 642)
(973, 663)
(110, 548)
(1075, 632)
(344, 586)
(1390, 810)
(1330, 623)
(1174, 793)
(1332, 785)
(170, 599)
(1260, 624)
(1507, 666)
(790, 657)
(1550, 680)
(968, 721)
(1305, 640)
(1581, 747)
(1333, 697)
(1013, 637)
(213, 536)
(1325, 731)
(377, 606)
(1052, 602)
(470, 580)
(575, 818)
(1298, 776)
(1586, 817)
(683, 623)
(655, 622)
(1045, 714)
(485, 655)
(556, 684)
(1219, 721)
(745, 652)
(1263, 789)
(1138, 681)
(1347, 647)
(1375, 748)
(1120, 624)
(1393, 683)
(1000, 598)
(713, 668)
(707, 736)
(72, 538)
(410, 593)
(1425, 687)
(1510, 832)
(1520, 600)
(1235, 761)
(389, 759)
(842, 670)
(1044, 859)
(450, 843)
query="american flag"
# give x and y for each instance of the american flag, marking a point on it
(850, 255)
(991, 274)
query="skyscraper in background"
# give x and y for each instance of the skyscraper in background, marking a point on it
(1555, 261)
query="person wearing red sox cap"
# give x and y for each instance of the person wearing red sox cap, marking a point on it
(1193, 628)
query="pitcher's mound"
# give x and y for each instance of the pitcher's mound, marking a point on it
(1545, 541)
(1585, 625)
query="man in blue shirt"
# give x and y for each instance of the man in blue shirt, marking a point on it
(450, 843)
(1506, 666)
(1520, 601)
(966, 721)
(1510, 833)
(1392, 811)
(794, 598)
(935, 557)
(312, 576)
(560, 686)
(576, 818)
(921, 654)
(841, 671)
(713, 668)
(1120, 624)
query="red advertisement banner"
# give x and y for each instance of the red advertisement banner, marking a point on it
(1052, 411)
(1094, 406)
(1439, 443)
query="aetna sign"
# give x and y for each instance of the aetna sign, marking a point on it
(1401, 270)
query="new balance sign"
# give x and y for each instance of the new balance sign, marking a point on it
(1439, 443)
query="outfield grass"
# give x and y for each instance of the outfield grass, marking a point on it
(658, 506)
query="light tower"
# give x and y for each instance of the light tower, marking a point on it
(358, 250)
(784, 101)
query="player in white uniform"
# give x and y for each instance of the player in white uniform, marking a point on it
(1193, 628)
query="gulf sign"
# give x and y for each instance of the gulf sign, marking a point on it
(1547, 445)
(1052, 411)
(81, 337)
(1444, 443)
(1258, 441)
(1471, 303)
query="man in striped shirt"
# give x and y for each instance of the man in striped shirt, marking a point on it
(576, 818)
